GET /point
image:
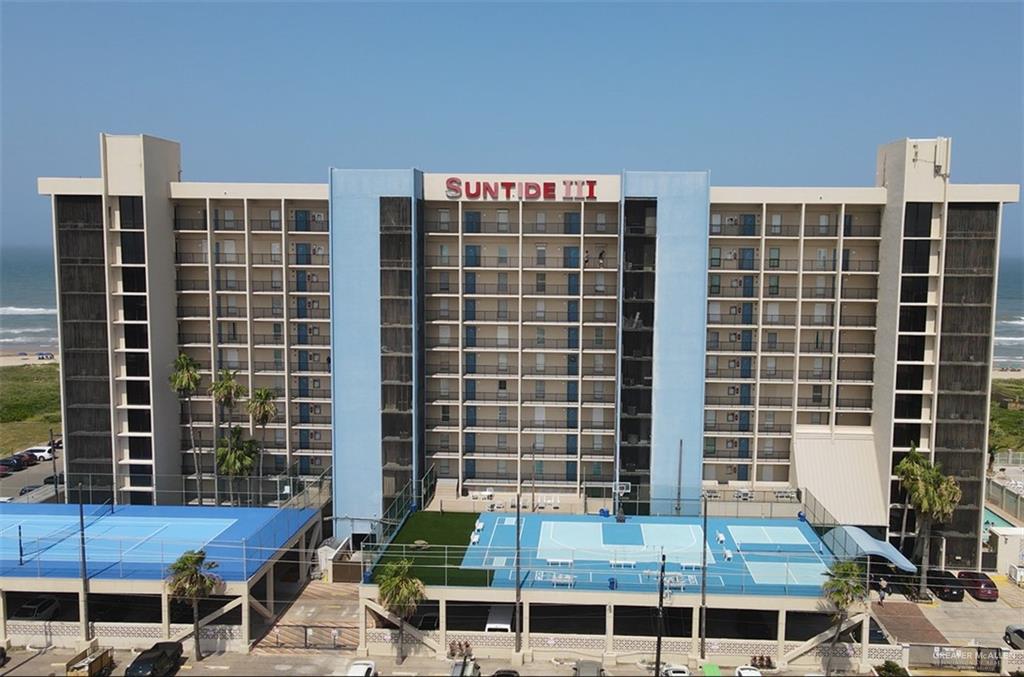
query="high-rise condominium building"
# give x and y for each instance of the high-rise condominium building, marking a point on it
(567, 337)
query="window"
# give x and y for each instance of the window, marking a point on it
(715, 286)
(502, 441)
(773, 257)
(542, 283)
(716, 257)
(773, 285)
(542, 256)
(446, 414)
(598, 337)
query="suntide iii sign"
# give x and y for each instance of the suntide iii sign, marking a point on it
(521, 187)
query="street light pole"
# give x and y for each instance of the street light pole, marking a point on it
(83, 607)
(53, 462)
(704, 577)
(519, 588)
(661, 616)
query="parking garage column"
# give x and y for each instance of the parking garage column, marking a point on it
(83, 615)
(246, 618)
(781, 639)
(695, 633)
(609, 628)
(865, 638)
(165, 613)
(526, 626)
(3, 619)
(442, 624)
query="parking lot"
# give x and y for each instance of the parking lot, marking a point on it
(974, 622)
(11, 485)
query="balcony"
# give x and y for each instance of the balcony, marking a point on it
(190, 224)
(309, 286)
(862, 266)
(819, 292)
(484, 343)
(480, 289)
(729, 347)
(550, 290)
(541, 398)
(813, 402)
(229, 224)
(777, 375)
(231, 311)
(550, 316)
(728, 427)
(551, 228)
(779, 320)
(309, 259)
(536, 424)
(486, 227)
(819, 265)
(817, 320)
(193, 311)
(191, 257)
(729, 373)
(312, 419)
(268, 339)
(307, 226)
(820, 230)
(549, 370)
(305, 313)
(312, 394)
(267, 312)
(782, 230)
(777, 346)
(226, 338)
(191, 285)
(816, 348)
(729, 318)
(488, 396)
(728, 400)
(264, 366)
(853, 404)
(771, 292)
(815, 375)
(862, 230)
(864, 376)
(847, 320)
(189, 338)
(734, 230)
(550, 344)
(229, 258)
(264, 225)
(771, 427)
(263, 259)
(490, 262)
(775, 401)
(859, 293)
(230, 285)
(489, 316)
(855, 348)
(268, 285)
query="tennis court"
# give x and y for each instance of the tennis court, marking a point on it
(139, 541)
(744, 556)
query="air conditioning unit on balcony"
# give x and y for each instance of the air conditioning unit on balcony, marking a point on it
(734, 283)
(313, 277)
(730, 417)
(734, 310)
(315, 357)
(730, 444)
(318, 216)
(315, 331)
(734, 364)
(731, 470)
(318, 250)
(316, 435)
(734, 390)
(730, 220)
(316, 408)
(316, 383)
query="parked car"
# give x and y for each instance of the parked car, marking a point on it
(5, 471)
(42, 608)
(1014, 636)
(54, 479)
(979, 585)
(675, 671)
(26, 458)
(6, 499)
(504, 672)
(13, 463)
(28, 489)
(747, 671)
(945, 585)
(43, 453)
(160, 659)
(362, 669)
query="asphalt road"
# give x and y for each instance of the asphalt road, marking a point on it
(11, 485)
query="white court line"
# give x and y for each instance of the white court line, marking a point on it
(143, 540)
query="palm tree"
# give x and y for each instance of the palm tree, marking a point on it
(236, 457)
(908, 471)
(189, 579)
(844, 588)
(184, 380)
(262, 408)
(934, 497)
(400, 593)
(226, 391)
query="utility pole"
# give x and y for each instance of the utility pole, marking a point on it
(519, 589)
(661, 616)
(83, 606)
(679, 479)
(704, 576)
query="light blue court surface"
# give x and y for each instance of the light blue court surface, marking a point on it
(139, 542)
(588, 552)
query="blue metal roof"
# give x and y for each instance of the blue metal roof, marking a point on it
(846, 541)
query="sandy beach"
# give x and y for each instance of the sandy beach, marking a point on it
(1005, 373)
(11, 359)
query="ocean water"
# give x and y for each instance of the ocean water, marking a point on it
(28, 300)
(1009, 347)
(28, 306)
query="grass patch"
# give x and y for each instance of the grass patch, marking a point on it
(29, 405)
(1006, 428)
(436, 566)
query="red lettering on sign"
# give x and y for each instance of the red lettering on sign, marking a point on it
(531, 190)
(591, 189)
(490, 190)
(472, 190)
(508, 186)
(549, 190)
(453, 188)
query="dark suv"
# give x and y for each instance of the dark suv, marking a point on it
(160, 659)
(946, 586)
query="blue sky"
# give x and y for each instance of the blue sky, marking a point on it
(766, 94)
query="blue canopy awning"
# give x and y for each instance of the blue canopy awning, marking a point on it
(852, 542)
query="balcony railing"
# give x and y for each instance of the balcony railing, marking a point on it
(268, 339)
(309, 259)
(491, 370)
(859, 293)
(229, 258)
(853, 403)
(814, 402)
(263, 259)
(766, 427)
(812, 230)
(302, 313)
(776, 374)
(489, 316)
(777, 347)
(822, 265)
(185, 338)
(852, 347)
(815, 375)
(862, 230)
(227, 338)
(549, 316)
(190, 224)
(268, 285)
(775, 401)
(862, 266)
(729, 373)
(229, 224)
(734, 230)
(484, 343)
(230, 311)
(311, 367)
(192, 285)
(855, 375)
(728, 427)
(309, 286)
(308, 226)
(816, 347)
(819, 292)
(734, 292)
(193, 311)
(190, 257)
(490, 262)
(230, 285)
(730, 400)
(550, 343)
(782, 230)
(817, 320)
(778, 319)
(549, 370)
(312, 394)
(846, 320)
(730, 346)
(550, 425)
(534, 397)
(265, 224)
(265, 311)
(483, 289)
(728, 318)
(312, 419)
(550, 290)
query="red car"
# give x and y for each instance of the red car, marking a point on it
(979, 585)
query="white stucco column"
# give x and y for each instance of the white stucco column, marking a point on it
(165, 613)
(442, 627)
(526, 627)
(781, 640)
(270, 589)
(246, 620)
(695, 633)
(83, 615)
(865, 628)
(609, 628)
(3, 619)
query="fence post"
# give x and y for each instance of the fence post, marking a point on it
(245, 571)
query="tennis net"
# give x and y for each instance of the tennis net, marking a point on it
(35, 546)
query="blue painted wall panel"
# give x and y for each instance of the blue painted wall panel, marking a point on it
(679, 331)
(355, 339)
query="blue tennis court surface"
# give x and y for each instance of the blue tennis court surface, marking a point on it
(744, 556)
(41, 539)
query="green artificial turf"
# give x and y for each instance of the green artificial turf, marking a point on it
(436, 565)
